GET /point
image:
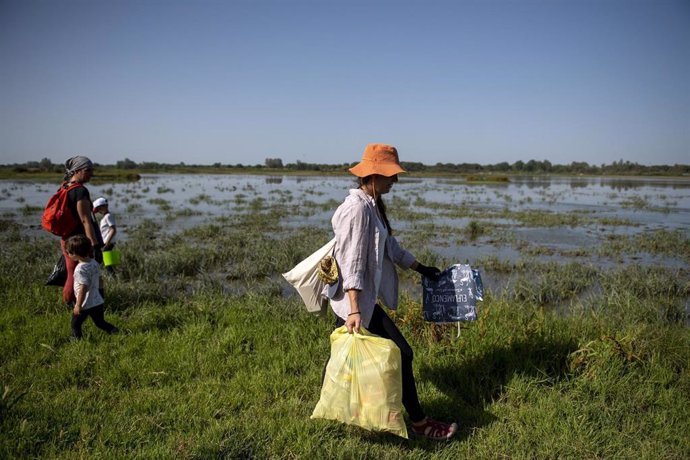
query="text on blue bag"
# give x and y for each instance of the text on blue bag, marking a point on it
(453, 297)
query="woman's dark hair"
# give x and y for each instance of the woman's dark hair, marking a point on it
(379, 203)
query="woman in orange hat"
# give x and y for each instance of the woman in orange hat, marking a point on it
(366, 252)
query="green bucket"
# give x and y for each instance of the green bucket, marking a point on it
(111, 258)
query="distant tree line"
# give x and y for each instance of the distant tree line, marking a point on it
(620, 167)
(546, 167)
(45, 165)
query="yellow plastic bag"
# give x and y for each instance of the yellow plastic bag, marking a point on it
(363, 383)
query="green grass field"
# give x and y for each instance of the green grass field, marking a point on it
(215, 362)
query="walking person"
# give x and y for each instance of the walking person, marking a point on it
(107, 223)
(79, 171)
(366, 252)
(87, 278)
(107, 227)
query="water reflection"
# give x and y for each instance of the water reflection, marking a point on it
(624, 206)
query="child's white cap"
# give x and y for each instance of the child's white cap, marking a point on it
(100, 202)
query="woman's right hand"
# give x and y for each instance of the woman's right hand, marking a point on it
(353, 322)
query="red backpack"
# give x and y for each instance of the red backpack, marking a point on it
(58, 218)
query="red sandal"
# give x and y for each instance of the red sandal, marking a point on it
(435, 430)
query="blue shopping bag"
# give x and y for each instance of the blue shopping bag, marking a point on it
(453, 297)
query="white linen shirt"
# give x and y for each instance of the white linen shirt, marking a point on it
(357, 252)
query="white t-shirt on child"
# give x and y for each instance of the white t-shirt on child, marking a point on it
(87, 276)
(107, 222)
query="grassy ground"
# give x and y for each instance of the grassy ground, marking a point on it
(215, 362)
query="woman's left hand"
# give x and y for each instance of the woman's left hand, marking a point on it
(429, 272)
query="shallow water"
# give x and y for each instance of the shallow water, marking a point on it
(607, 206)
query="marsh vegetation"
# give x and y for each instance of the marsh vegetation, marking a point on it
(581, 349)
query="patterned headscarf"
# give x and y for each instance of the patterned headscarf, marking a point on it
(75, 164)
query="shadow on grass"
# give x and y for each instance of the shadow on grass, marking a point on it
(120, 297)
(474, 384)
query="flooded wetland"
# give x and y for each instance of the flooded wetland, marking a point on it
(583, 328)
(518, 233)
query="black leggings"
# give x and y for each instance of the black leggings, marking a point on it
(97, 316)
(383, 326)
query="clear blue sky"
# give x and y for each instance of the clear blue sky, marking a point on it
(239, 81)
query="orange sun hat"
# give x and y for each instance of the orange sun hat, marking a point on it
(381, 159)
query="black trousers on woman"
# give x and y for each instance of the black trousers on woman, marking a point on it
(383, 326)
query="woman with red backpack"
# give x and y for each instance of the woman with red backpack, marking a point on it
(78, 171)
